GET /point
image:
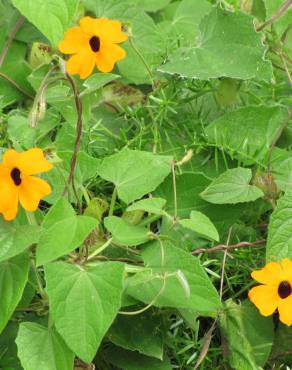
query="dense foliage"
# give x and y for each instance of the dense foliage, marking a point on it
(140, 258)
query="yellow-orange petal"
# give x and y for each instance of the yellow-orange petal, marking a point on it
(31, 191)
(81, 63)
(33, 161)
(8, 201)
(11, 212)
(74, 41)
(88, 26)
(10, 158)
(8, 191)
(7, 196)
(106, 29)
(108, 56)
(5, 177)
(271, 274)
(110, 30)
(285, 310)
(286, 265)
(265, 298)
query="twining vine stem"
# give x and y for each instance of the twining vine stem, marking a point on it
(280, 12)
(286, 69)
(34, 114)
(4, 52)
(15, 84)
(11, 36)
(164, 277)
(208, 337)
(223, 247)
(143, 61)
(113, 201)
(174, 190)
(32, 221)
(100, 249)
(277, 137)
(78, 105)
(206, 344)
(224, 262)
(133, 313)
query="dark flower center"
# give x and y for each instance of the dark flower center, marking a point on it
(94, 43)
(284, 289)
(15, 175)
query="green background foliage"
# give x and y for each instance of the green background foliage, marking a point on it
(182, 187)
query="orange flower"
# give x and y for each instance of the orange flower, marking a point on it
(93, 43)
(276, 291)
(17, 184)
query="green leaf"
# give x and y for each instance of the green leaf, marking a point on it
(282, 345)
(42, 348)
(29, 291)
(249, 335)
(259, 332)
(19, 131)
(25, 137)
(151, 5)
(128, 170)
(17, 69)
(14, 239)
(186, 283)
(279, 244)
(191, 318)
(86, 168)
(125, 233)
(241, 132)
(189, 186)
(187, 18)
(63, 232)
(84, 303)
(258, 9)
(135, 333)
(112, 8)
(150, 205)
(98, 80)
(60, 210)
(8, 349)
(13, 278)
(201, 224)
(147, 40)
(128, 360)
(281, 165)
(52, 17)
(232, 187)
(220, 50)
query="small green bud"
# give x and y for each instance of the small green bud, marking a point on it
(133, 217)
(96, 208)
(266, 183)
(40, 54)
(227, 92)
